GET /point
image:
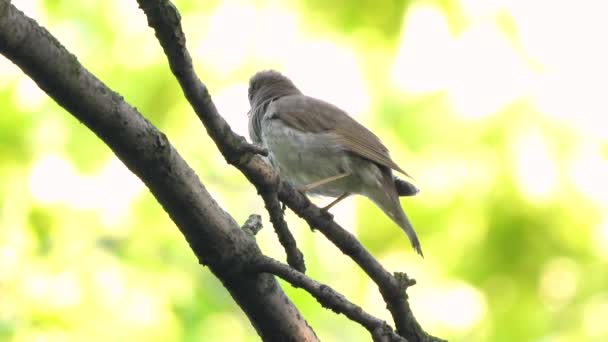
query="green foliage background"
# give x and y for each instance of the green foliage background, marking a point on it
(494, 107)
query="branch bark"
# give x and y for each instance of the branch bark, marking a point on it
(213, 235)
(165, 20)
(230, 252)
(328, 298)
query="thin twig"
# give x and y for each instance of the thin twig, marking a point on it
(295, 258)
(391, 288)
(213, 234)
(165, 20)
(163, 17)
(253, 224)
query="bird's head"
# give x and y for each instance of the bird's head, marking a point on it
(270, 84)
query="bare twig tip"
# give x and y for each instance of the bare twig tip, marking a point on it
(404, 280)
(253, 224)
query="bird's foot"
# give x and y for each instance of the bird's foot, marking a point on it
(326, 214)
(245, 146)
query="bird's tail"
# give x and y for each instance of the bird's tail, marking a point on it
(404, 223)
(387, 199)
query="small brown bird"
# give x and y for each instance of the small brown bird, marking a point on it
(320, 149)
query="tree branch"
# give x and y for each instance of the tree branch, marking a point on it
(212, 234)
(328, 298)
(295, 258)
(253, 224)
(165, 20)
(392, 288)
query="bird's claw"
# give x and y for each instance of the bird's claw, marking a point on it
(245, 146)
(325, 213)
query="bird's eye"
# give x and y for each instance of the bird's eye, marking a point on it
(252, 89)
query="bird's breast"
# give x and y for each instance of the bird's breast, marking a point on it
(303, 158)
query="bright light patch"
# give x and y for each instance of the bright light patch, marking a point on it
(457, 306)
(535, 168)
(50, 133)
(8, 72)
(331, 73)
(35, 285)
(141, 309)
(53, 180)
(594, 317)
(117, 187)
(277, 32)
(126, 18)
(576, 99)
(56, 291)
(48, 178)
(479, 70)
(574, 69)
(422, 62)
(466, 176)
(28, 97)
(601, 239)
(65, 290)
(577, 47)
(223, 326)
(233, 103)
(486, 74)
(480, 9)
(345, 212)
(558, 282)
(108, 284)
(9, 262)
(226, 41)
(237, 30)
(34, 9)
(132, 36)
(588, 170)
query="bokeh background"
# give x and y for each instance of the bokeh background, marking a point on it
(498, 109)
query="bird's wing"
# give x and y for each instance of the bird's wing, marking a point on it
(308, 114)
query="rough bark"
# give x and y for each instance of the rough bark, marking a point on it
(215, 238)
(213, 234)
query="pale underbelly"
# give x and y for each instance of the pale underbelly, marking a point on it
(303, 159)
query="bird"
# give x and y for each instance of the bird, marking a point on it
(321, 150)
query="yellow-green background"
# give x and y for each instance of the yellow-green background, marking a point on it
(498, 109)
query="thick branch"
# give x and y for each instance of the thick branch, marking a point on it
(212, 234)
(328, 298)
(163, 17)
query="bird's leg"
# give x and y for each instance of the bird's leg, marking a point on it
(308, 187)
(343, 196)
(243, 147)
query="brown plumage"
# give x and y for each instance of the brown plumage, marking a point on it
(316, 116)
(310, 140)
